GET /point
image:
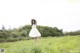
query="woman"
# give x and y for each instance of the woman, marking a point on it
(34, 33)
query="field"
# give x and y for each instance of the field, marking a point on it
(66, 44)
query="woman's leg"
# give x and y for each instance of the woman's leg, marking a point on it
(35, 39)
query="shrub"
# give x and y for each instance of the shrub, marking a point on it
(12, 39)
(2, 40)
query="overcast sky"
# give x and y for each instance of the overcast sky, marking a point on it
(64, 14)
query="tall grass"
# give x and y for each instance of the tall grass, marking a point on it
(66, 44)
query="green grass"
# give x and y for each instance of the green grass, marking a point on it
(66, 44)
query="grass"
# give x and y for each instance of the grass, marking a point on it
(66, 44)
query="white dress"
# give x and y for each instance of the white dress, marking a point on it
(34, 32)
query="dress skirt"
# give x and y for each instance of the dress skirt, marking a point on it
(34, 32)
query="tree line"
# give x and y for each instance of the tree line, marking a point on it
(22, 33)
(72, 33)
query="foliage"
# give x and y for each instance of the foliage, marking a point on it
(23, 32)
(44, 30)
(73, 33)
(2, 40)
(12, 39)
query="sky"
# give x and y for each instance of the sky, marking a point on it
(64, 14)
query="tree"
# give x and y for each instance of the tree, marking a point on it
(3, 28)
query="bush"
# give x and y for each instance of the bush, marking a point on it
(12, 39)
(44, 30)
(23, 33)
(2, 40)
(49, 31)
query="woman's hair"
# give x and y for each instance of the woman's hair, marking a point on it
(33, 21)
